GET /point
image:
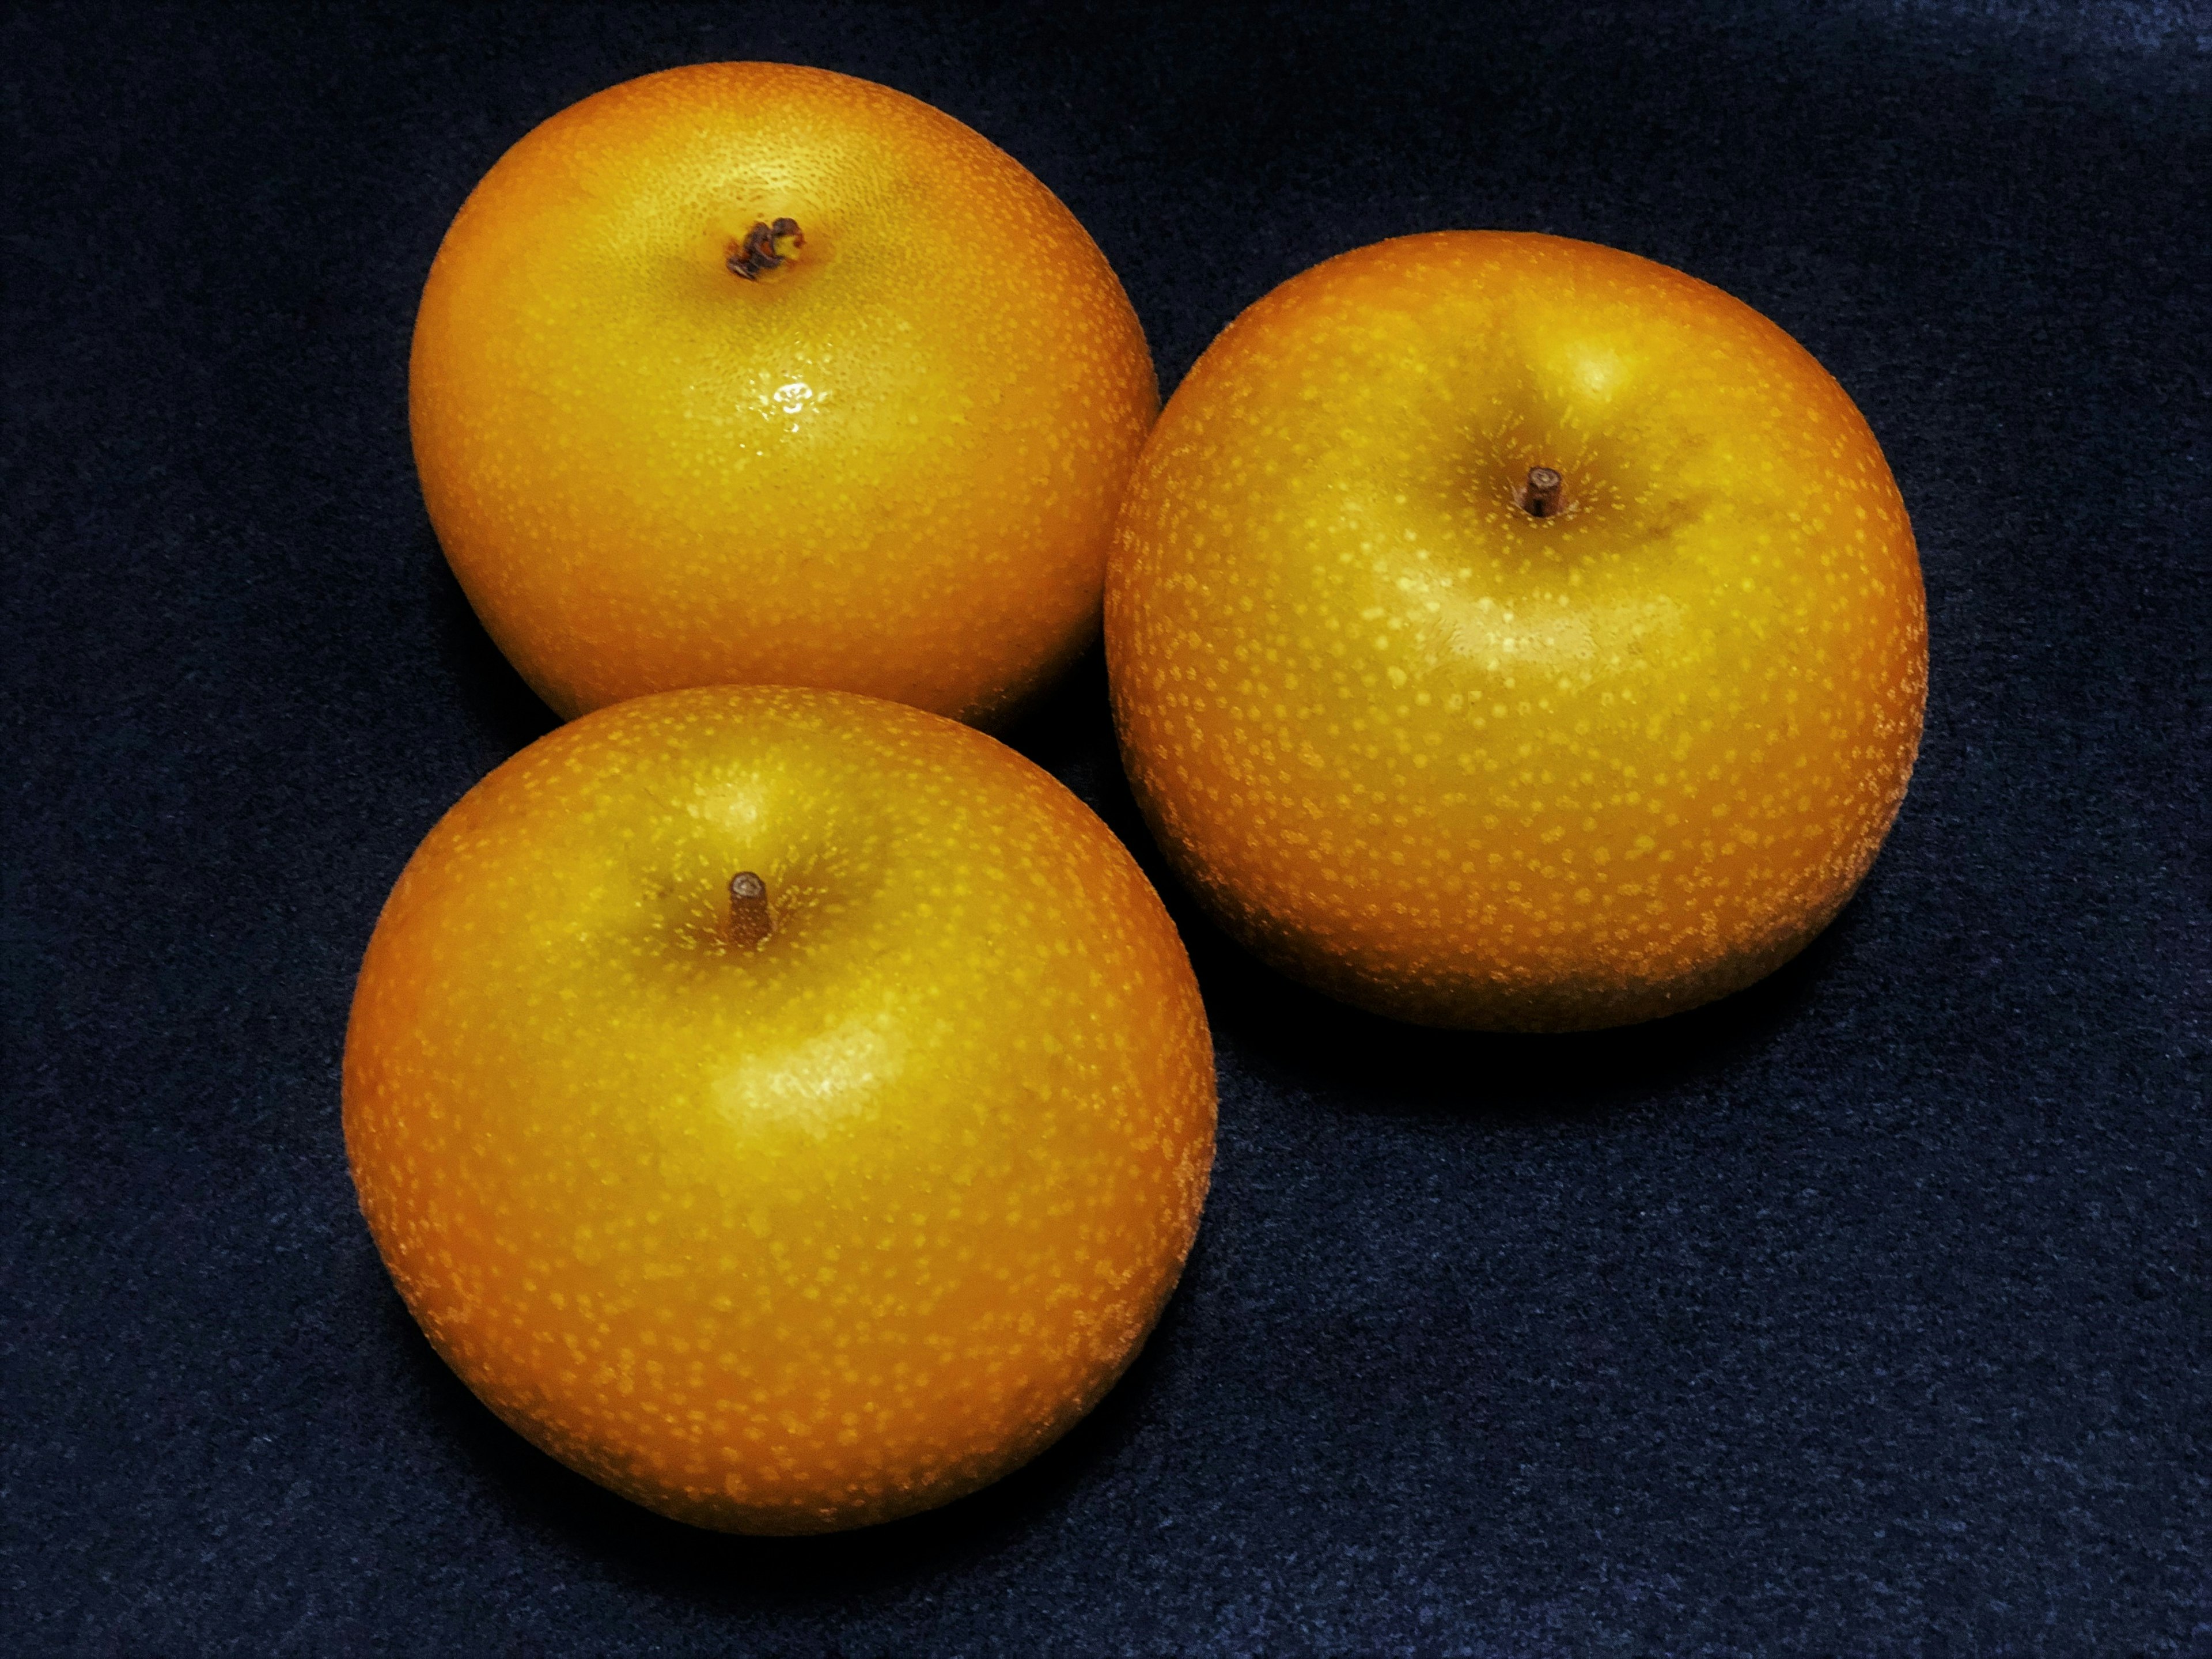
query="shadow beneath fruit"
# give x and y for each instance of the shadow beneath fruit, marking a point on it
(496, 701)
(839, 1570)
(1288, 1037)
(1067, 728)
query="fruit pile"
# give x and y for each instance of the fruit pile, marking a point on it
(789, 1107)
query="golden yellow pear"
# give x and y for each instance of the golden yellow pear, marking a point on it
(789, 1108)
(755, 373)
(1510, 632)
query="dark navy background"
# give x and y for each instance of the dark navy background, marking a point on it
(1865, 1313)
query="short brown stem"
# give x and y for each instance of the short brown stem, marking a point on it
(757, 255)
(1541, 497)
(749, 921)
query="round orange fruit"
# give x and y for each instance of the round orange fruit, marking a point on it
(1508, 632)
(745, 373)
(790, 1109)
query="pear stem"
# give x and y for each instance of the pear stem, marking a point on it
(1542, 496)
(749, 921)
(756, 256)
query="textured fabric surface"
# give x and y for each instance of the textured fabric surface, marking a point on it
(1865, 1313)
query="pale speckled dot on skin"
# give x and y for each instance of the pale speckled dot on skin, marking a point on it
(1471, 767)
(889, 467)
(802, 1234)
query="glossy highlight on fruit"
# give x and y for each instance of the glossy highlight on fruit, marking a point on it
(747, 372)
(1508, 632)
(790, 1109)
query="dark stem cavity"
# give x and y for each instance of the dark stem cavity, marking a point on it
(756, 256)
